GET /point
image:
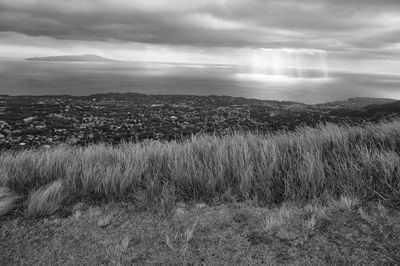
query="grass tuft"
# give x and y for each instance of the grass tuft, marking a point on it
(8, 200)
(344, 203)
(275, 219)
(47, 200)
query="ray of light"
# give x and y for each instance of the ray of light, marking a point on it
(289, 63)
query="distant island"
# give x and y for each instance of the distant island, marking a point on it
(72, 58)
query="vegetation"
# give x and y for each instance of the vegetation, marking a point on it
(329, 193)
(8, 200)
(34, 121)
(326, 162)
(46, 200)
(340, 232)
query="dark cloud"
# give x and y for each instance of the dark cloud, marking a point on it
(334, 25)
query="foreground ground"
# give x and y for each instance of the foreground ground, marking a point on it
(344, 232)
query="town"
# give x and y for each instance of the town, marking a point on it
(42, 121)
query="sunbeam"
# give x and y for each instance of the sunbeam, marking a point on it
(286, 64)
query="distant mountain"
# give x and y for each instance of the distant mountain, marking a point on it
(72, 58)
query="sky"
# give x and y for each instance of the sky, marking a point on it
(353, 35)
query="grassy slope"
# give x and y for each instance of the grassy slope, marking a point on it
(304, 167)
(329, 161)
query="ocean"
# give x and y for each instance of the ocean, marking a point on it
(20, 77)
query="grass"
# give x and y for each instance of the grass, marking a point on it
(278, 218)
(226, 234)
(8, 201)
(329, 161)
(46, 201)
(317, 196)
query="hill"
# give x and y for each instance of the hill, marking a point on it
(356, 102)
(314, 196)
(72, 58)
(120, 117)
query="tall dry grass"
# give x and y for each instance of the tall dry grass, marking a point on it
(8, 200)
(327, 161)
(46, 200)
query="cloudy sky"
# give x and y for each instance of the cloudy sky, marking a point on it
(349, 34)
